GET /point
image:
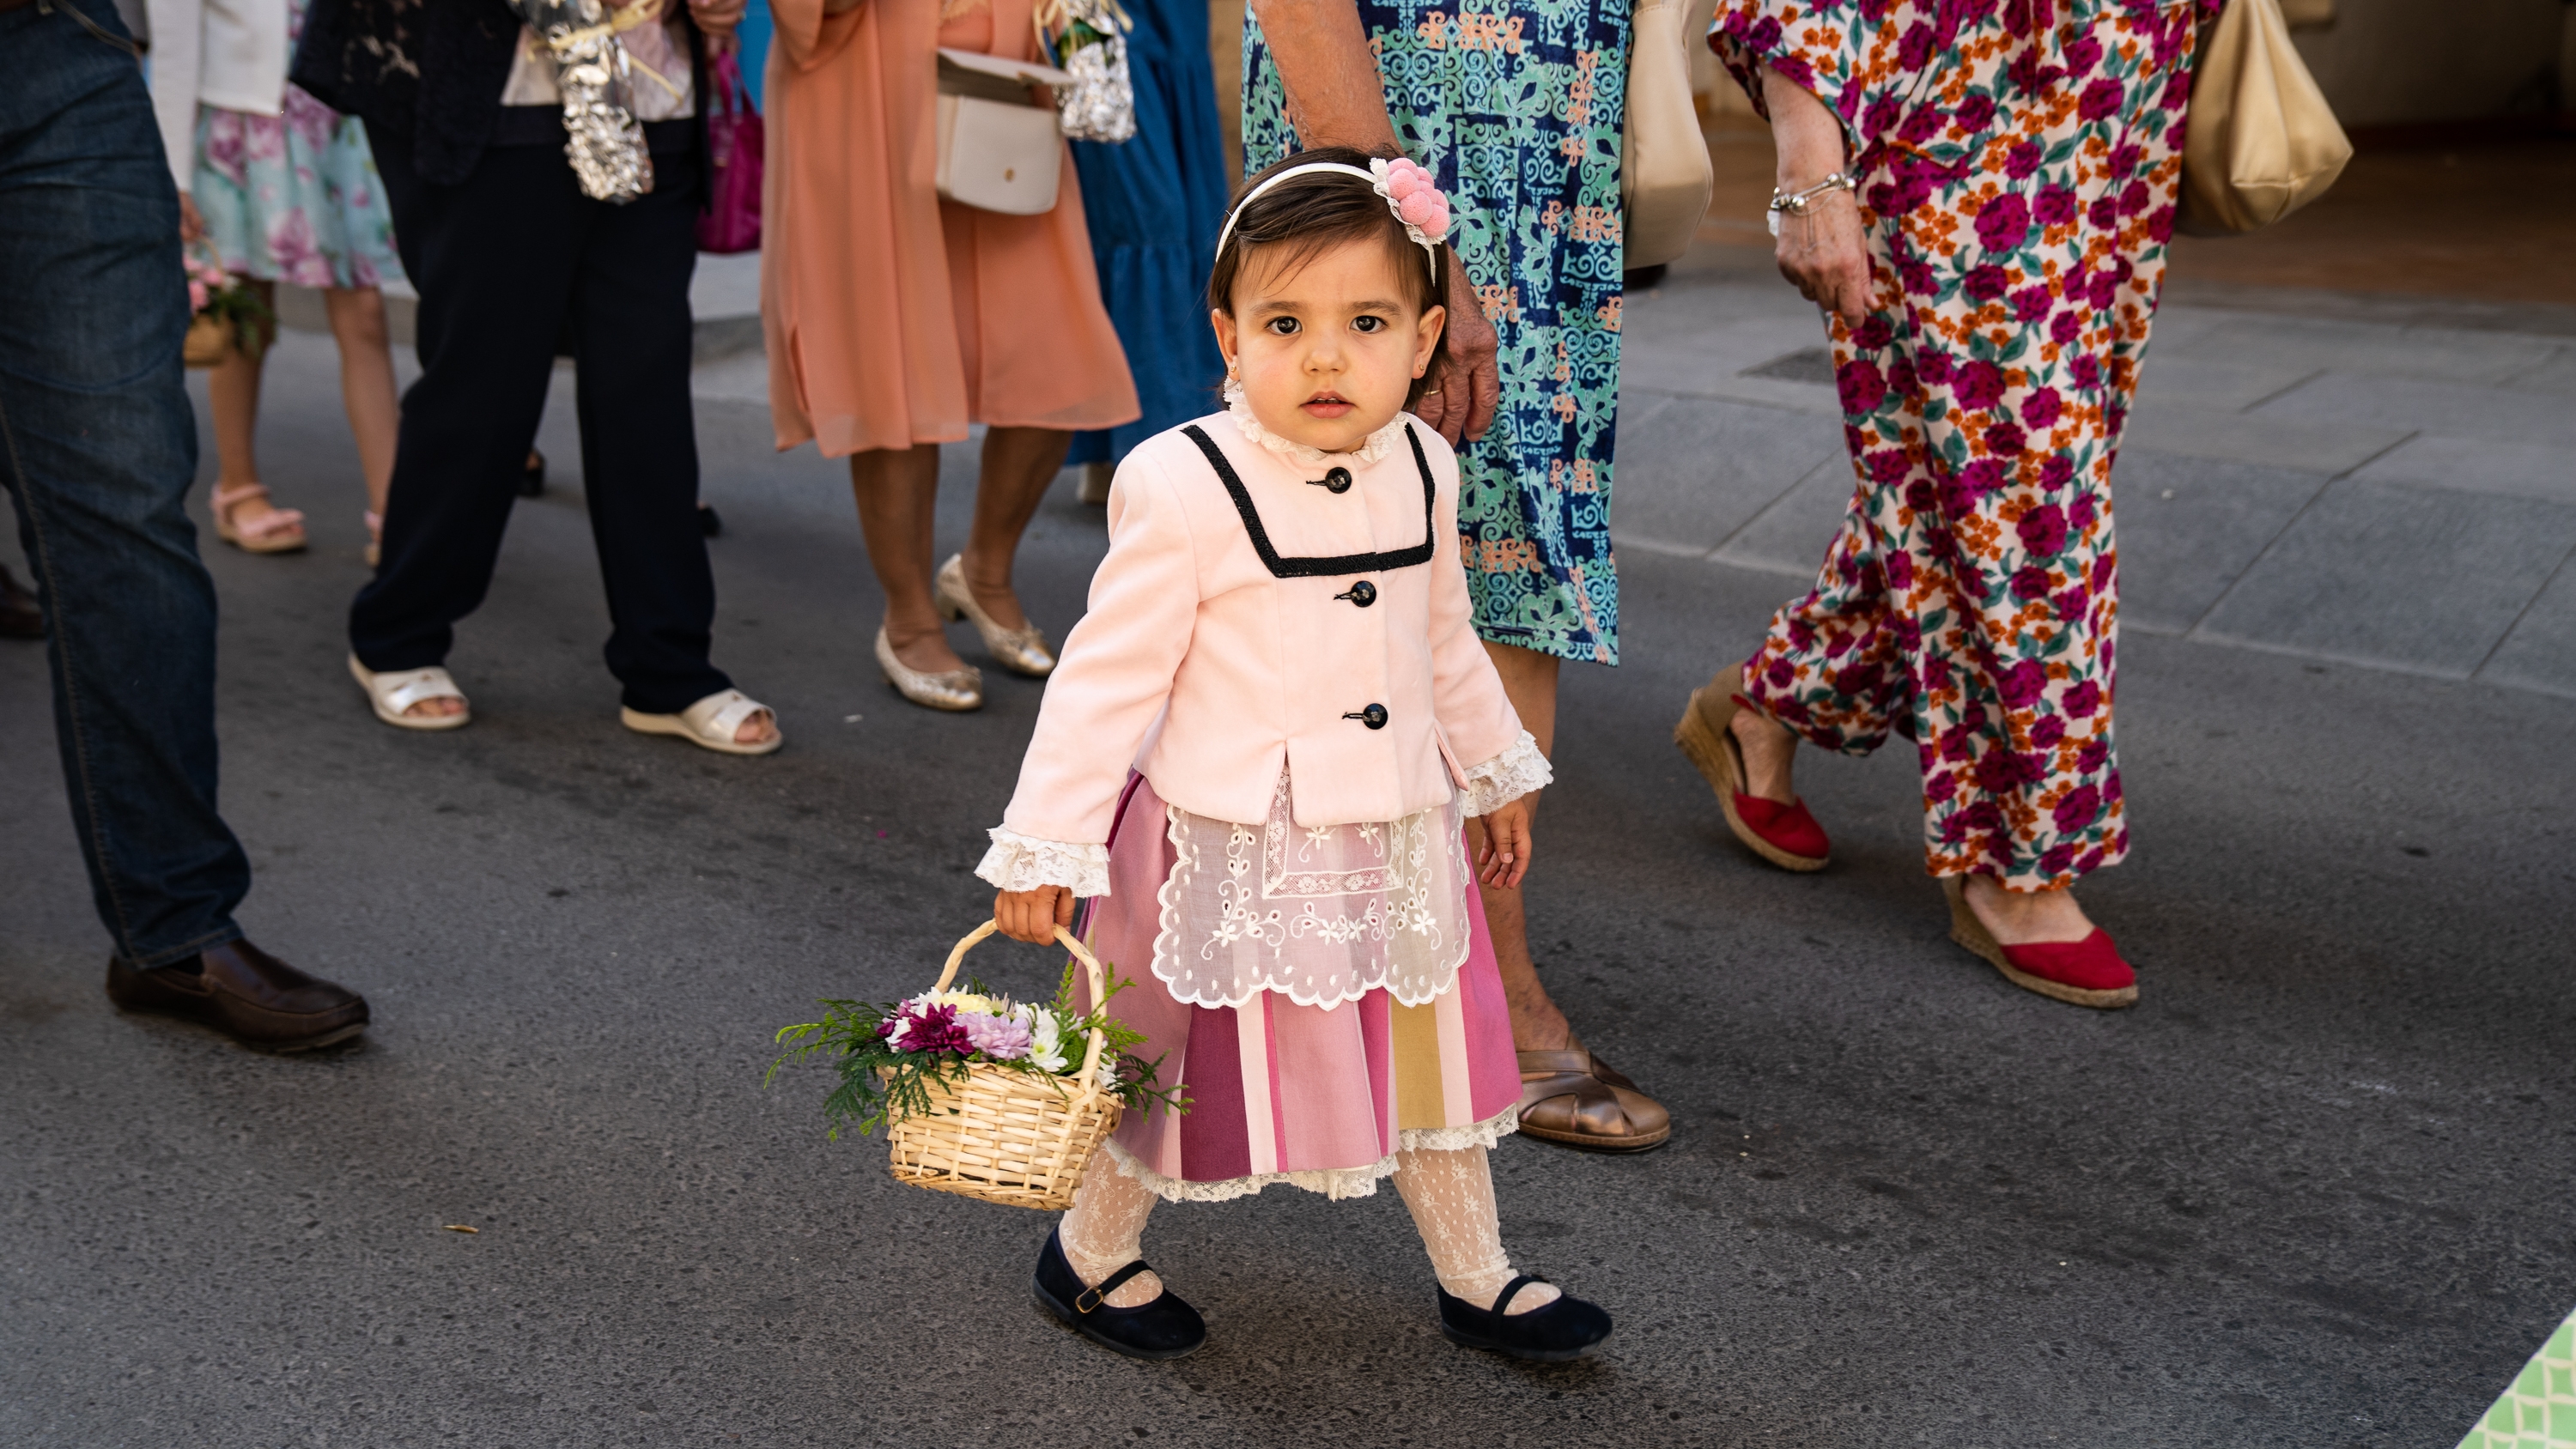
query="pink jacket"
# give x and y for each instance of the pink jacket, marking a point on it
(1230, 636)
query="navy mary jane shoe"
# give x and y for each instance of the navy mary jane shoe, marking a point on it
(1564, 1330)
(1164, 1328)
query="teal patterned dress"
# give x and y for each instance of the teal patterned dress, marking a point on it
(1516, 106)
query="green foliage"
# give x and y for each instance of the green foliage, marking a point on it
(881, 1085)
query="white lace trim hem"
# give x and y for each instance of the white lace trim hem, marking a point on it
(1507, 776)
(1335, 1183)
(1375, 446)
(1019, 862)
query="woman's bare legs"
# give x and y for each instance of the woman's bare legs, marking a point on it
(898, 495)
(233, 390)
(2017, 918)
(1529, 678)
(366, 382)
(1019, 463)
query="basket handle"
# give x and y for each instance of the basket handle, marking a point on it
(1092, 973)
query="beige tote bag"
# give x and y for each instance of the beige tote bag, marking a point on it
(1664, 175)
(2262, 141)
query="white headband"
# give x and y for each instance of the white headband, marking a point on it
(1408, 191)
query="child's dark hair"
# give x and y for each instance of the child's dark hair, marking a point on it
(1311, 214)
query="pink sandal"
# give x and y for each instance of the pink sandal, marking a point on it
(280, 530)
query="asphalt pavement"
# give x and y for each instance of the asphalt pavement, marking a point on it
(2313, 1190)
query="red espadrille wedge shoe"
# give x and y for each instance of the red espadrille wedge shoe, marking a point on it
(2082, 973)
(1785, 835)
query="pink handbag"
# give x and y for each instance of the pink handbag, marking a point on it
(731, 222)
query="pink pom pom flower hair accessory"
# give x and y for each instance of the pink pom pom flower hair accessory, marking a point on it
(1409, 191)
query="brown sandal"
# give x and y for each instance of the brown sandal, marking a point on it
(1574, 1099)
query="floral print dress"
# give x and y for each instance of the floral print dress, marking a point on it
(1516, 107)
(294, 197)
(2017, 167)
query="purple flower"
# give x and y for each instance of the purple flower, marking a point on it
(2055, 472)
(2030, 581)
(2125, 158)
(1873, 333)
(1880, 115)
(2081, 513)
(1985, 283)
(2032, 303)
(1921, 126)
(1933, 366)
(1764, 36)
(2081, 56)
(2043, 531)
(1900, 572)
(2100, 99)
(2079, 809)
(1980, 385)
(2001, 770)
(1003, 1038)
(2040, 408)
(931, 1029)
(1862, 387)
(2134, 198)
(2055, 206)
(2066, 328)
(2048, 732)
(2022, 684)
(1914, 47)
(2082, 700)
(2086, 371)
(1975, 113)
(1900, 377)
(1914, 272)
(2057, 858)
(1940, 787)
(2003, 222)
(1885, 466)
(2005, 440)
(2070, 604)
(2023, 159)
(2104, 214)
(2090, 757)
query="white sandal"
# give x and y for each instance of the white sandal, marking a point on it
(710, 723)
(397, 690)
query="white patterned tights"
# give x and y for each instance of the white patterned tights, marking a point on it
(1451, 1195)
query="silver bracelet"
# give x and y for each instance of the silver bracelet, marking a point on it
(1795, 202)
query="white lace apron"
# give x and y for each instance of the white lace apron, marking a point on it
(1320, 914)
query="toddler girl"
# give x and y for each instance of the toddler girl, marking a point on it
(1255, 760)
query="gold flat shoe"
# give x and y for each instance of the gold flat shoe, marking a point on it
(1021, 651)
(1574, 1099)
(955, 690)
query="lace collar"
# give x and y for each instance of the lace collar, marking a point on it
(1373, 447)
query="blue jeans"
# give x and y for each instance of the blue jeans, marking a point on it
(97, 449)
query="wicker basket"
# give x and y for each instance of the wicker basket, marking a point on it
(1009, 1136)
(209, 342)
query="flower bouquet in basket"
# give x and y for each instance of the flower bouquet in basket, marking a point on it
(980, 1095)
(227, 313)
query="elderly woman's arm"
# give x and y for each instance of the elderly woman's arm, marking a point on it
(1335, 98)
(1823, 250)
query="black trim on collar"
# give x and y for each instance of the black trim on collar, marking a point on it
(1309, 568)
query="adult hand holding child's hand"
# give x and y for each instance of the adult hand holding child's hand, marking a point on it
(1032, 916)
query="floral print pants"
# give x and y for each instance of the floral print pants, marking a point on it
(2017, 172)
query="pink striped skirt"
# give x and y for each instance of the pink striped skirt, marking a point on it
(1278, 1092)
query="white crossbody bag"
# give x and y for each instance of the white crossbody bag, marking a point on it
(997, 150)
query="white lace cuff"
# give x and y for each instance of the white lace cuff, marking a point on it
(1507, 776)
(1023, 863)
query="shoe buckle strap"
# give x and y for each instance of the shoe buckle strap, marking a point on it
(1099, 1293)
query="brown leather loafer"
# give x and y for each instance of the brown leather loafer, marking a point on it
(1574, 1099)
(248, 995)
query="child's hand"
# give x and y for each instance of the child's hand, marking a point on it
(1505, 855)
(1032, 916)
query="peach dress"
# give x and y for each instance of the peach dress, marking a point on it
(895, 318)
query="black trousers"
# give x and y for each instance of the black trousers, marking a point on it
(507, 262)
